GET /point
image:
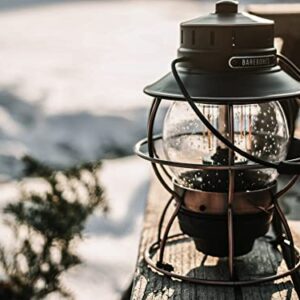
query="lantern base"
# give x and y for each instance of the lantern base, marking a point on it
(203, 217)
(210, 233)
(219, 248)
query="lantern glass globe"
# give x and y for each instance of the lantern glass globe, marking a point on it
(259, 129)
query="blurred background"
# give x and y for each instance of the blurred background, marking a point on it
(71, 81)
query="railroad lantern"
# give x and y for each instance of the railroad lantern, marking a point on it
(225, 138)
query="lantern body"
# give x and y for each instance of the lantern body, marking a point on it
(226, 76)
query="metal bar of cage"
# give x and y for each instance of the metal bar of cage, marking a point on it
(230, 196)
(150, 251)
(162, 218)
(169, 163)
(154, 148)
(152, 115)
(165, 162)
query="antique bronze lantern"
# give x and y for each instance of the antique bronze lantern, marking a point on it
(225, 140)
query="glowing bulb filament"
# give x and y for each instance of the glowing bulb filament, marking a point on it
(209, 133)
(250, 129)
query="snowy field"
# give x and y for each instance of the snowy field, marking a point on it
(71, 81)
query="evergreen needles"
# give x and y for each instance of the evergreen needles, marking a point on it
(45, 224)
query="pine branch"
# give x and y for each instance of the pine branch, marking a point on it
(54, 217)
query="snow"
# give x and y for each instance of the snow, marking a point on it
(88, 55)
(109, 250)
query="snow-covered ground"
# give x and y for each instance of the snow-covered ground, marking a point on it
(71, 81)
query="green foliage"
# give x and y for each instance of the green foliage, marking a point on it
(46, 225)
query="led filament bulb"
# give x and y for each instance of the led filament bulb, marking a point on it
(259, 129)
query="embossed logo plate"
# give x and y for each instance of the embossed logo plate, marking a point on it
(246, 62)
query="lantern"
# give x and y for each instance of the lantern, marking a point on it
(225, 139)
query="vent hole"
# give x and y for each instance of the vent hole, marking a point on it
(193, 37)
(181, 37)
(202, 207)
(212, 38)
(233, 39)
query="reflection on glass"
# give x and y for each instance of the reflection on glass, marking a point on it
(260, 129)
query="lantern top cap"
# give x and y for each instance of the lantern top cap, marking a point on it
(226, 14)
(226, 6)
(228, 57)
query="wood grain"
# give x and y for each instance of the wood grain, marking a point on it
(150, 285)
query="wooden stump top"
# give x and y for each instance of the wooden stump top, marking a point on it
(150, 285)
